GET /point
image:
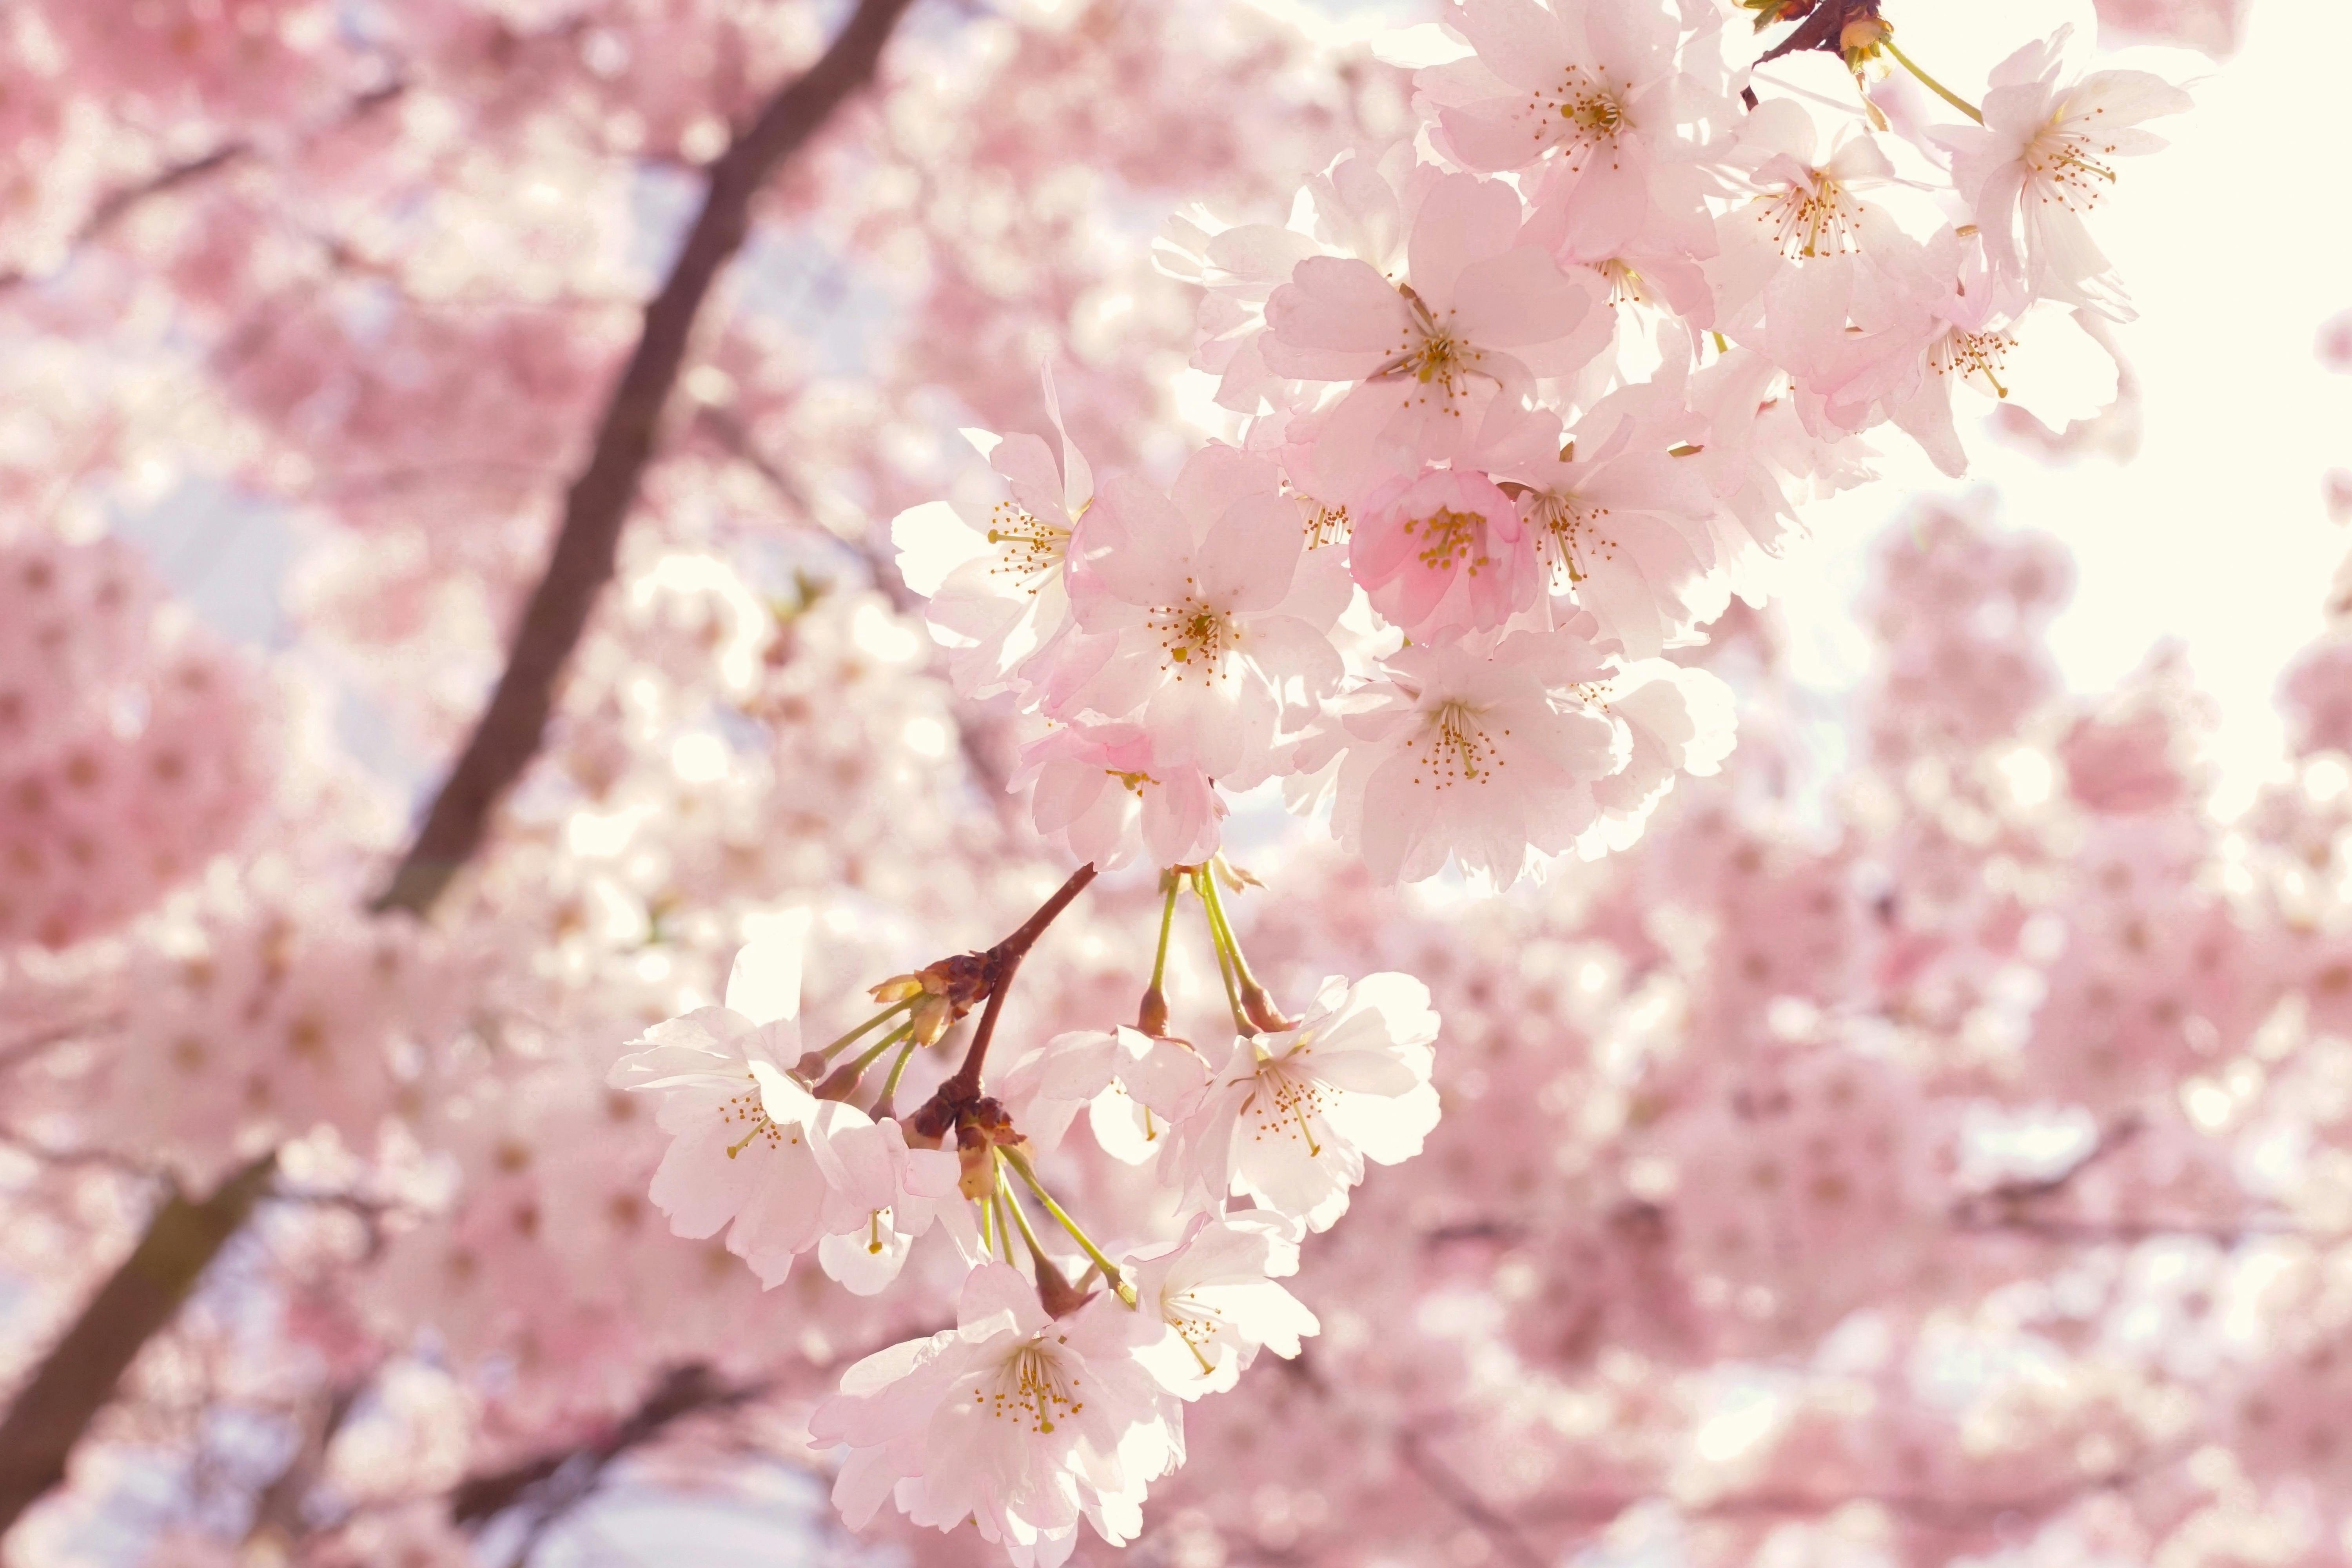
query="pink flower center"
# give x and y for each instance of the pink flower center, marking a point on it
(1454, 748)
(1971, 354)
(1568, 530)
(1032, 1386)
(1450, 538)
(1814, 217)
(1193, 637)
(1027, 548)
(1580, 114)
(2066, 166)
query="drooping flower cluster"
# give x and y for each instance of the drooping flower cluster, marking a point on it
(1050, 1402)
(1518, 405)
(1535, 391)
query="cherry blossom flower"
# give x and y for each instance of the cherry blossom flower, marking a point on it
(1620, 520)
(1100, 792)
(1444, 555)
(1657, 275)
(1435, 356)
(1602, 87)
(995, 583)
(1204, 618)
(1215, 1291)
(1134, 1086)
(2044, 156)
(1487, 759)
(1547, 366)
(744, 1153)
(1804, 210)
(1359, 209)
(1019, 1423)
(1292, 1117)
(1678, 720)
(1927, 320)
(881, 1196)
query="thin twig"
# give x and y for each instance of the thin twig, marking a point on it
(551, 1484)
(1501, 1532)
(16, 1053)
(117, 204)
(66, 1159)
(1007, 955)
(77, 1377)
(2111, 1138)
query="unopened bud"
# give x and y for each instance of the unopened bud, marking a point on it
(1263, 1015)
(842, 1084)
(1859, 40)
(811, 1066)
(1151, 1013)
(1057, 1295)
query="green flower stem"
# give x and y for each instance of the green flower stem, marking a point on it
(1012, 1200)
(890, 1084)
(873, 1053)
(1020, 1163)
(1003, 1226)
(1167, 919)
(1225, 923)
(1932, 85)
(884, 1016)
(1224, 966)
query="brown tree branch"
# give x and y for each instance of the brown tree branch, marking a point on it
(1501, 1532)
(599, 502)
(23, 1048)
(551, 1484)
(1005, 958)
(1925, 1510)
(78, 1376)
(277, 1512)
(117, 204)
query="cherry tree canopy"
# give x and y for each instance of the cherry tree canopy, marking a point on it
(1023, 784)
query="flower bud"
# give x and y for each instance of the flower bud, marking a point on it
(1057, 1295)
(1260, 1011)
(842, 1084)
(1151, 1014)
(1859, 40)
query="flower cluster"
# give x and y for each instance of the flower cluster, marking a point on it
(1518, 404)
(1051, 1400)
(126, 741)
